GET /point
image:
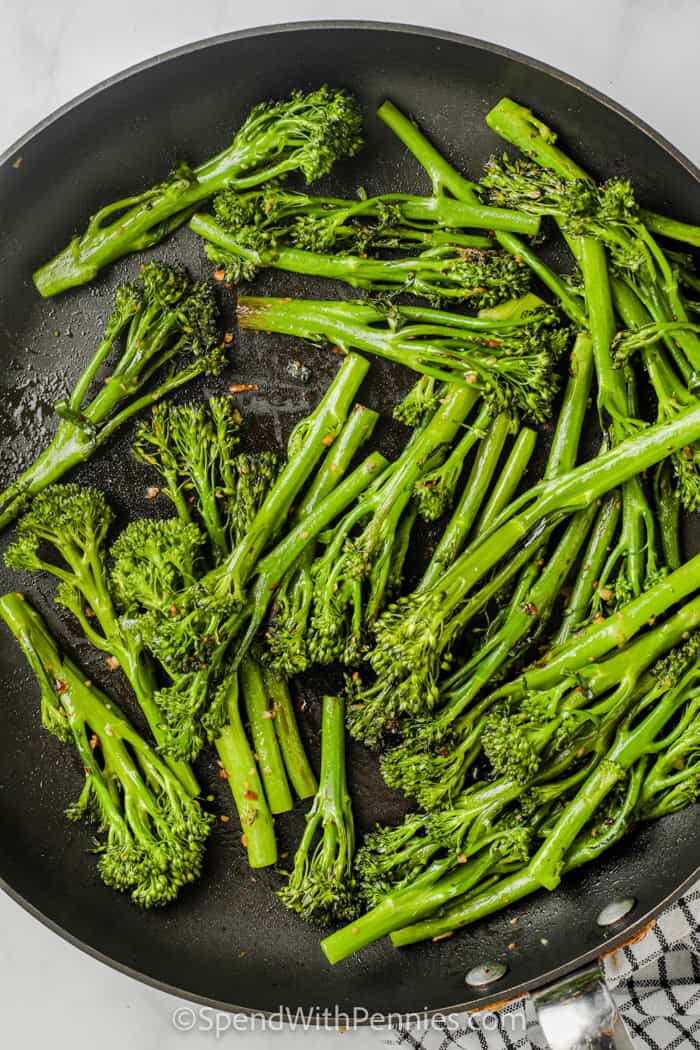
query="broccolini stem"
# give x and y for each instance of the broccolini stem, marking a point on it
(460, 213)
(284, 555)
(402, 542)
(673, 228)
(441, 210)
(612, 397)
(680, 345)
(434, 437)
(442, 175)
(564, 449)
(668, 506)
(497, 897)
(601, 637)
(112, 332)
(572, 306)
(245, 783)
(410, 904)
(333, 783)
(171, 383)
(637, 533)
(73, 266)
(455, 534)
(298, 768)
(509, 478)
(578, 604)
(357, 430)
(506, 317)
(640, 654)
(521, 127)
(265, 742)
(68, 448)
(435, 491)
(138, 668)
(525, 618)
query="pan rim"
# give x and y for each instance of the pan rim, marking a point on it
(9, 156)
(472, 1006)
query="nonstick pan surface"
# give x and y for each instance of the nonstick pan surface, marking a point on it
(228, 941)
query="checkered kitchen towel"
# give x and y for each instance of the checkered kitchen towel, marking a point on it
(655, 983)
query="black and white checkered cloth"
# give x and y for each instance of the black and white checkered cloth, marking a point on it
(654, 981)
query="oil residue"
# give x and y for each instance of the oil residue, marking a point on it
(27, 419)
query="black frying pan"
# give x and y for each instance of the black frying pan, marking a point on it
(227, 941)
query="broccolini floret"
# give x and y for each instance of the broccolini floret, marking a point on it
(154, 559)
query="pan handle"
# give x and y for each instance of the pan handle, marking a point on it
(578, 1013)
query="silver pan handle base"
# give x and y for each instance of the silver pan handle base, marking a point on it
(578, 1013)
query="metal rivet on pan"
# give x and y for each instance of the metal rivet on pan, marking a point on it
(485, 973)
(615, 911)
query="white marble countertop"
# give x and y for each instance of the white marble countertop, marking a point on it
(641, 52)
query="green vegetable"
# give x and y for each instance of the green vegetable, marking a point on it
(414, 637)
(321, 885)
(495, 896)
(557, 186)
(264, 737)
(438, 871)
(192, 446)
(444, 271)
(166, 319)
(281, 708)
(353, 578)
(153, 560)
(74, 520)
(202, 638)
(445, 178)
(510, 363)
(305, 133)
(670, 388)
(274, 217)
(245, 782)
(286, 634)
(154, 832)
(674, 692)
